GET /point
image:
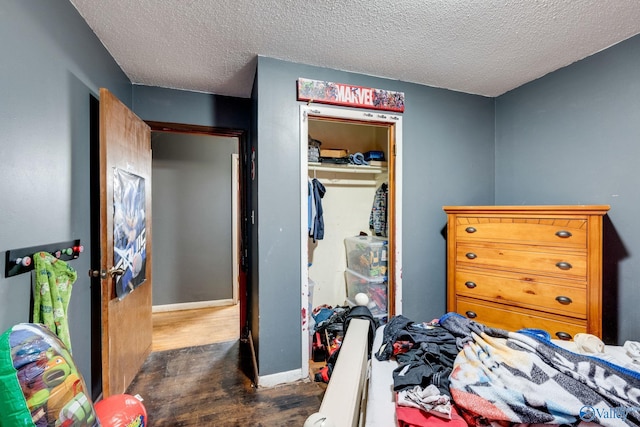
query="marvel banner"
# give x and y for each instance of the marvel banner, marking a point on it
(349, 95)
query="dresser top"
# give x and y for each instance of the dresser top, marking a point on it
(539, 209)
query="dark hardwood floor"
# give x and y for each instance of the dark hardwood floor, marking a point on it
(206, 386)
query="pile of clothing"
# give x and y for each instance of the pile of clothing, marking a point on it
(425, 353)
(331, 325)
(459, 372)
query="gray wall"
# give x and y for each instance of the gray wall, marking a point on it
(448, 145)
(192, 228)
(194, 108)
(573, 137)
(51, 64)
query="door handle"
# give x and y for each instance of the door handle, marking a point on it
(98, 273)
(113, 272)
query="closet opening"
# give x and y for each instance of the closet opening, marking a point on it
(351, 173)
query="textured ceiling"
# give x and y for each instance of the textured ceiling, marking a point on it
(484, 47)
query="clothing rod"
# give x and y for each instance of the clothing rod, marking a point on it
(348, 169)
(351, 182)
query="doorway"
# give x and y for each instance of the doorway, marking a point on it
(234, 165)
(197, 221)
(193, 199)
(240, 270)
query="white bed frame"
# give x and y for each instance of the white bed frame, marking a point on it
(344, 401)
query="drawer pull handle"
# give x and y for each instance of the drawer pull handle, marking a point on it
(563, 336)
(470, 285)
(564, 300)
(470, 230)
(563, 234)
(471, 314)
(563, 265)
(471, 255)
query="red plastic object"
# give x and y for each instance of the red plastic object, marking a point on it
(121, 410)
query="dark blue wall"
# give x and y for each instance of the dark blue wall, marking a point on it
(448, 154)
(51, 65)
(573, 137)
(194, 108)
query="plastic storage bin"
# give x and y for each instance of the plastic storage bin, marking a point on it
(374, 287)
(367, 255)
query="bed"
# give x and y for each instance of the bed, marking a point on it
(497, 378)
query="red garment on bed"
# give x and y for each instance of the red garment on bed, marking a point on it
(414, 417)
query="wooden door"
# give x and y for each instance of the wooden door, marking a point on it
(125, 150)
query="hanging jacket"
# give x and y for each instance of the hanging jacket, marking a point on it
(310, 206)
(378, 217)
(317, 233)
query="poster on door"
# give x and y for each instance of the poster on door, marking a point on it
(129, 231)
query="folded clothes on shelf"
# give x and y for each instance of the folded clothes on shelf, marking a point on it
(357, 159)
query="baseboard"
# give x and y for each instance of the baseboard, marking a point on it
(273, 379)
(280, 378)
(191, 305)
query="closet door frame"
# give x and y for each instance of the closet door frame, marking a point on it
(393, 122)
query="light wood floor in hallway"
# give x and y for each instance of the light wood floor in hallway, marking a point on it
(191, 328)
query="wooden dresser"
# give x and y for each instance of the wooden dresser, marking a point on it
(515, 267)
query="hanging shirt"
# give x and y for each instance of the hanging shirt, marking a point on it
(378, 217)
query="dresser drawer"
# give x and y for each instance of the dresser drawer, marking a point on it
(561, 232)
(513, 319)
(532, 292)
(564, 264)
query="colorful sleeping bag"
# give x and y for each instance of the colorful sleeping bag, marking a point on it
(39, 382)
(506, 378)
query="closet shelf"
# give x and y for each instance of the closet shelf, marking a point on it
(323, 167)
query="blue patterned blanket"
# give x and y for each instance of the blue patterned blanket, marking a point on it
(502, 377)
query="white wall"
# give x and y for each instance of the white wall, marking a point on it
(346, 213)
